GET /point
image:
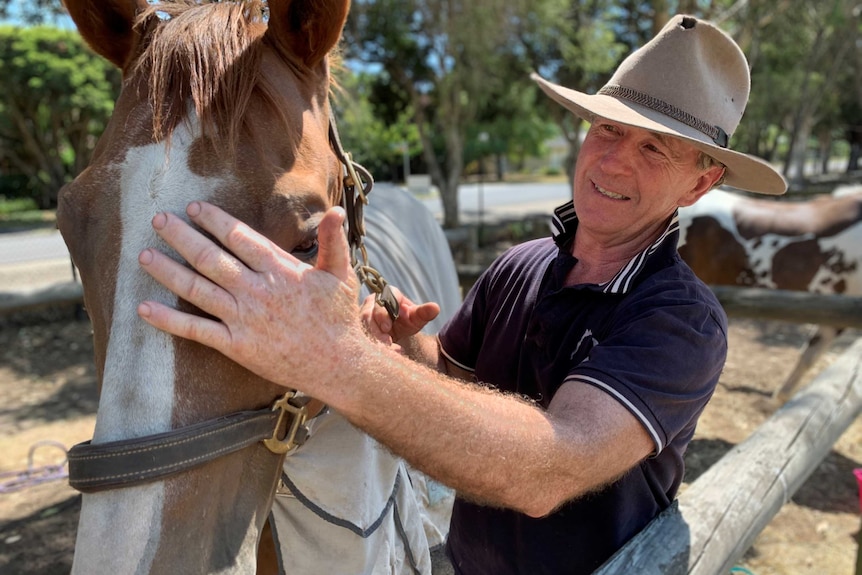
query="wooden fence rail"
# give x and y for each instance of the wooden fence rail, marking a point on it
(792, 306)
(56, 295)
(718, 517)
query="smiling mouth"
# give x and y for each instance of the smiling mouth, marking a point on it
(608, 193)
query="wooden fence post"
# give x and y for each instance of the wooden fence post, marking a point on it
(721, 513)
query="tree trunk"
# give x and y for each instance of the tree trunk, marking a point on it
(661, 14)
(794, 170)
(854, 136)
(825, 151)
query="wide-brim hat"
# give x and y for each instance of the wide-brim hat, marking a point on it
(691, 81)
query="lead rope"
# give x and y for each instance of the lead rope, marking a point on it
(357, 184)
(12, 481)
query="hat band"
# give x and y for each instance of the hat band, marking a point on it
(715, 133)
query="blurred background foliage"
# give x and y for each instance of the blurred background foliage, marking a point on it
(442, 87)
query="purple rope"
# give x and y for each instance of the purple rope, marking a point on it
(33, 476)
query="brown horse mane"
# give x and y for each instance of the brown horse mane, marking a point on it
(208, 54)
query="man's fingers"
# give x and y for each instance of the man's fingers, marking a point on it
(333, 254)
(202, 330)
(375, 319)
(187, 284)
(427, 311)
(382, 319)
(201, 252)
(254, 249)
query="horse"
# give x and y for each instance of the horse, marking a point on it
(812, 245)
(230, 103)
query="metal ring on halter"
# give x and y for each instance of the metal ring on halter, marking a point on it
(354, 177)
(355, 187)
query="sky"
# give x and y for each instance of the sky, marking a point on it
(14, 17)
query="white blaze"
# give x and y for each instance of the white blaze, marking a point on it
(118, 530)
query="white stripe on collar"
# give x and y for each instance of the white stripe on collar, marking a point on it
(562, 223)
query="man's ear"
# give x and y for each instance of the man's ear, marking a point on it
(704, 183)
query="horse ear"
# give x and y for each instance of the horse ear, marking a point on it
(107, 26)
(308, 28)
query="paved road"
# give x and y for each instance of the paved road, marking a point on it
(21, 247)
(505, 199)
(31, 260)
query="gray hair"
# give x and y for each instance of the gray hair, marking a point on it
(705, 162)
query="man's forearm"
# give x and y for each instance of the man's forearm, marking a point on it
(492, 447)
(434, 422)
(422, 348)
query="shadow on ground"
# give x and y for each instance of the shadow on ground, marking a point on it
(49, 372)
(41, 543)
(831, 488)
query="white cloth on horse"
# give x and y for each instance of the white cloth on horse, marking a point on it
(423, 270)
(346, 504)
(347, 507)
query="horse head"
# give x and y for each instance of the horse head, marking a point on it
(220, 103)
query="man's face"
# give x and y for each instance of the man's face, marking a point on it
(628, 181)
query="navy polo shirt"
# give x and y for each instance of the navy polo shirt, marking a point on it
(654, 338)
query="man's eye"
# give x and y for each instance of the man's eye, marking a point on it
(306, 250)
(655, 150)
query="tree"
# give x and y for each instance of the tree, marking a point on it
(830, 45)
(56, 101)
(573, 43)
(851, 107)
(510, 126)
(375, 135)
(849, 92)
(446, 57)
(799, 52)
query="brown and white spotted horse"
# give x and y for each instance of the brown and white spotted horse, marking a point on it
(221, 103)
(813, 246)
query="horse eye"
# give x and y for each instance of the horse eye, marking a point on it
(306, 250)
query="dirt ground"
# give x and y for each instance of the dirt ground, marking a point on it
(47, 393)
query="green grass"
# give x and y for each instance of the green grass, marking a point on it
(12, 205)
(19, 214)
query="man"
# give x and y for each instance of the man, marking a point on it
(594, 353)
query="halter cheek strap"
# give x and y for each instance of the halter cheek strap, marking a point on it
(357, 184)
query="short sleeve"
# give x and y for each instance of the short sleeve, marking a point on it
(497, 307)
(661, 359)
(461, 337)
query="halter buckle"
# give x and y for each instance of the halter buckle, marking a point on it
(295, 435)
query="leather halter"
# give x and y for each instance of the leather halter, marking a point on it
(281, 428)
(353, 199)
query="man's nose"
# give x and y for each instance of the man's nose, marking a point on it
(618, 156)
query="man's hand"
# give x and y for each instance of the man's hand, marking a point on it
(275, 315)
(412, 318)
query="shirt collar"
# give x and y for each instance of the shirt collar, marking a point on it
(565, 222)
